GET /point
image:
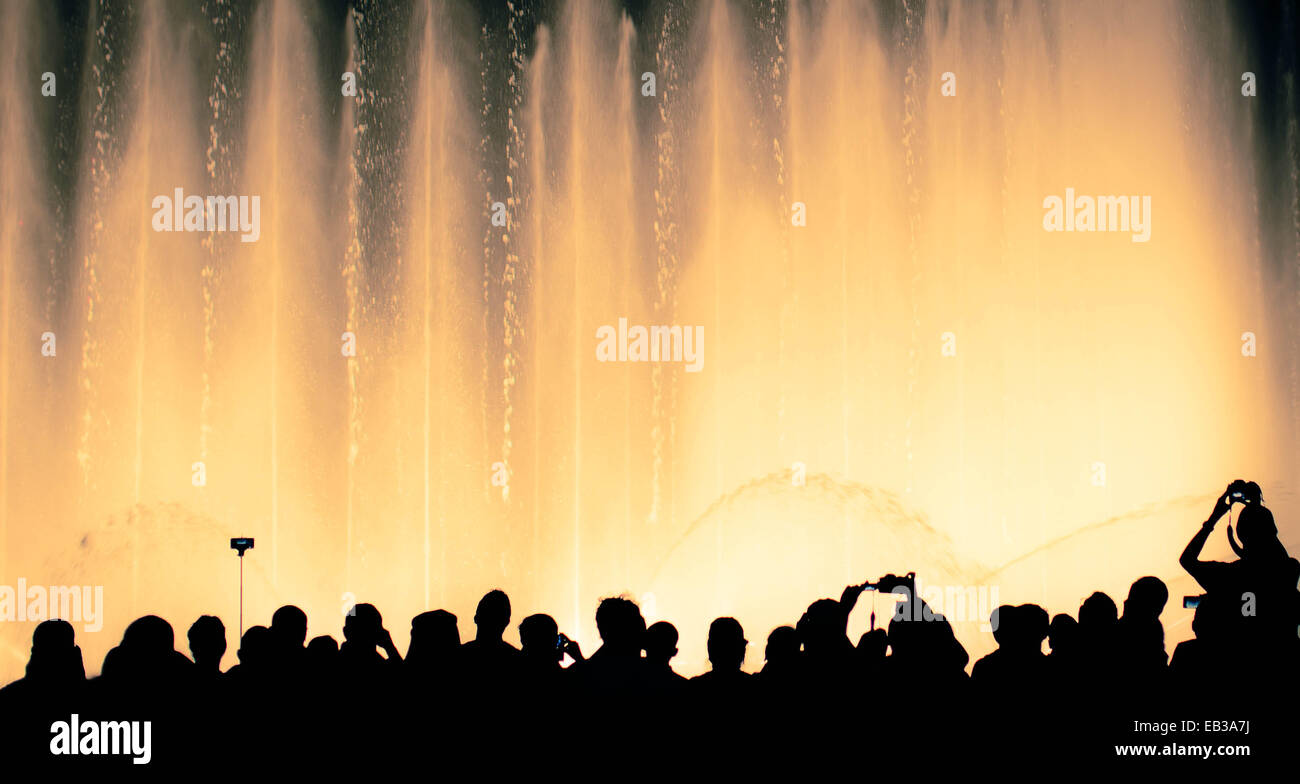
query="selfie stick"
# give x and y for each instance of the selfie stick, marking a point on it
(239, 545)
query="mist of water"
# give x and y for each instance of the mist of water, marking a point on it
(472, 440)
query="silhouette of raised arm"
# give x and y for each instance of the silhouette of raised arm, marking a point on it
(1190, 559)
(385, 642)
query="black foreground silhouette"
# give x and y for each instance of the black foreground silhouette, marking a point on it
(901, 693)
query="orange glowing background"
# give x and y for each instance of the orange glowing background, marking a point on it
(1096, 401)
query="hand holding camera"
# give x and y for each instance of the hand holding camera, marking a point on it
(566, 646)
(1239, 491)
(892, 582)
(1244, 492)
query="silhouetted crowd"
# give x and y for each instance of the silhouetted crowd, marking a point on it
(334, 707)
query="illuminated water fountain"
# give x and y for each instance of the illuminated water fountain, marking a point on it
(396, 388)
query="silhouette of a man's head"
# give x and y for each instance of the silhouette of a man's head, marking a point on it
(537, 635)
(1021, 628)
(660, 643)
(872, 646)
(1033, 627)
(433, 634)
(1146, 598)
(322, 649)
(620, 624)
(925, 643)
(1063, 634)
(726, 644)
(53, 636)
(1003, 621)
(1257, 531)
(148, 642)
(149, 633)
(55, 655)
(289, 627)
(207, 637)
(822, 626)
(363, 625)
(493, 615)
(1097, 614)
(255, 648)
(782, 649)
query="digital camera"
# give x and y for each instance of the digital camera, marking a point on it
(892, 582)
(1244, 492)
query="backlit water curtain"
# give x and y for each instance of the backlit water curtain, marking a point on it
(410, 361)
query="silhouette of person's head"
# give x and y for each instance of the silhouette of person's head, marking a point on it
(255, 648)
(362, 627)
(289, 628)
(1099, 631)
(872, 646)
(207, 637)
(1063, 635)
(1216, 618)
(660, 643)
(1020, 629)
(922, 639)
(822, 627)
(1251, 492)
(1200, 620)
(1097, 614)
(321, 656)
(149, 636)
(53, 637)
(146, 653)
(1146, 599)
(537, 638)
(434, 637)
(1034, 625)
(1258, 532)
(726, 645)
(1003, 621)
(56, 659)
(620, 625)
(322, 648)
(492, 616)
(782, 649)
